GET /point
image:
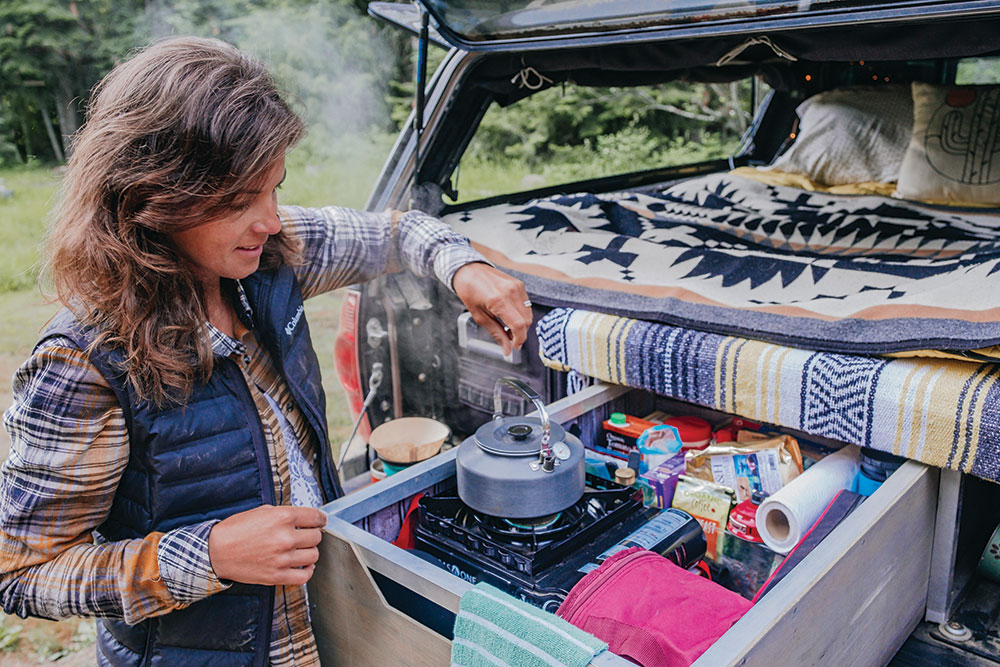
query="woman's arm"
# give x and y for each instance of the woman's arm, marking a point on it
(345, 246)
(69, 449)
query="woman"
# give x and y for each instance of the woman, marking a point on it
(169, 440)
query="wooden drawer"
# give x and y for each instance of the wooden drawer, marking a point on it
(853, 601)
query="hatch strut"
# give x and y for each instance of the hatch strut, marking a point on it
(418, 120)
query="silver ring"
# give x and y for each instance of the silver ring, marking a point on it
(527, 304)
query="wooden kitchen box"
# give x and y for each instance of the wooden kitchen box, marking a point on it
(852, 601)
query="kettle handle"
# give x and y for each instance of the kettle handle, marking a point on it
(532, 395)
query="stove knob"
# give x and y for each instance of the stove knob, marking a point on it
(505, 558)
(489, 549)
(473, 542)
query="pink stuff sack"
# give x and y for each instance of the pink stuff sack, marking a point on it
(651, 611)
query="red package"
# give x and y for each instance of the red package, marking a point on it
(695, 432)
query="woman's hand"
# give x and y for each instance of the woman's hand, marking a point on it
(495, 299)
(274, 546)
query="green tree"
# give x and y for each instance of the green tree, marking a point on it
(535, 129)
(51, 54)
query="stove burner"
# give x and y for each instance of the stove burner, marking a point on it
(534, 524)
(534, 532)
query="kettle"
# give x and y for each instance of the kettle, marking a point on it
(520, 467)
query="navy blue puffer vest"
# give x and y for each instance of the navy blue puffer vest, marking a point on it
(207, 460)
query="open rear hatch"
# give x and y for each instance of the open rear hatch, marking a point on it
(523, 25)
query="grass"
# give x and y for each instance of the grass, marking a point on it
(35, 641)
(487, 175)
(343, 173)
(22, 223)
(25, 313)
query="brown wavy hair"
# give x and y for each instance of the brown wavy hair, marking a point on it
(174, 136)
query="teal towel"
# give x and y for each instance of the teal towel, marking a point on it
(494, 629)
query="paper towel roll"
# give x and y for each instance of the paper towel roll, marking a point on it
(784, 517)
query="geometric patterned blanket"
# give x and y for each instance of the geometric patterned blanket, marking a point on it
(942, 412)
(722, 253)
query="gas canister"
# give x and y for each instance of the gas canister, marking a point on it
(743, 518)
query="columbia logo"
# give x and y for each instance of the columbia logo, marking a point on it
(294, 322)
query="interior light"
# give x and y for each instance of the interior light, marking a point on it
(791, 136)
(875, 77)
(809, 77)
(861, 62)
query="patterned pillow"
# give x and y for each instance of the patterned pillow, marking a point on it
(851, 135)
(954, 154)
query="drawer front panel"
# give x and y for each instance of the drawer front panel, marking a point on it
(855, 599)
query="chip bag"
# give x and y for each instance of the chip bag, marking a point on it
(753, 465)
(709, 504)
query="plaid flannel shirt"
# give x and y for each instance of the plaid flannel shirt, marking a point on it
(70, 446)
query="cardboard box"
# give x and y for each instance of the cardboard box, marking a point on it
(658, 484)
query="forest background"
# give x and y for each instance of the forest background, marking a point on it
(351, 78)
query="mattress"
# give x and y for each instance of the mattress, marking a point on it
(726, 254)
(943, 412)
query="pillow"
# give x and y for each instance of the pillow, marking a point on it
(954, 154)
(851, 135)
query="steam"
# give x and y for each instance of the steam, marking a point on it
(331, 60)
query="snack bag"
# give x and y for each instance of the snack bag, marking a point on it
(754, 465)
(709, 503)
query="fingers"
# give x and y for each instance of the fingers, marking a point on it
(307, 517)
(496, 329)
(298, 567)
(508, 322)
(304, 538)
(295, 577)
(267, 545)
(303, 557)
(496, 301)
(517, 317)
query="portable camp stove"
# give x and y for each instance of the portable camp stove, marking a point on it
(539, 560)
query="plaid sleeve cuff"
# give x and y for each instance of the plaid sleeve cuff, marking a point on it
(185, 566)
(422, 235)
(450, 260)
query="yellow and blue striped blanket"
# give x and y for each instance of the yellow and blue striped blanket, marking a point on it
(943, 412)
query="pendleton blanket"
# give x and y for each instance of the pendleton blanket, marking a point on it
(942, 412)
(723, 253)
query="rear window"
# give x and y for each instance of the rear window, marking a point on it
(571, 133)
(972, 71)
